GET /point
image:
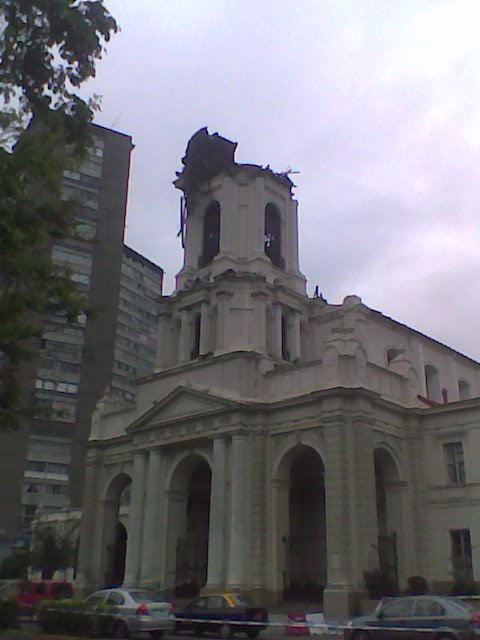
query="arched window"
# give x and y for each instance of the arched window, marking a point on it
(196, 336)
(432, 382)
(211, 233)
(464, 390)
(273, 235)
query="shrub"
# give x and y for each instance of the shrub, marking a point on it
(417, 586)
(8, 614)
(72, 617)
(379, 585)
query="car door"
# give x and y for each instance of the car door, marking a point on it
(198, 611)
(390, 622)
(428, 617)
(218, 608)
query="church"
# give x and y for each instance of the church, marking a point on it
(283, 445)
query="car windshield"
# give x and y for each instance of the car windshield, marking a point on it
(240, 601)
(146, 596)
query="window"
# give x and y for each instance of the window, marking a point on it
(196, 336)
(211, 233)
(428, 609)
(285, 352)
(432, 383)
(453, 452)
(461, 553)
(398, 609)
(115, 597)
(464, 390)
(216, 602)
(273, 235)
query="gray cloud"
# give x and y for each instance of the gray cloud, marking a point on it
(377, 106)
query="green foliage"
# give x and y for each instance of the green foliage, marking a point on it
(417, 586)
(47, 50)
(15, 565)
(73, 617)
(51, 551)
(378, 584)
(8, 614)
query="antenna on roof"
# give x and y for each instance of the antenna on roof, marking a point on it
(288, 172)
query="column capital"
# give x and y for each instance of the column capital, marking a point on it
(241, 434)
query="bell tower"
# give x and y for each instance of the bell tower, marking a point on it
(240, 289)
(236, 216)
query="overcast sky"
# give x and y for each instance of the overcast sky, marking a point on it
(375, 103)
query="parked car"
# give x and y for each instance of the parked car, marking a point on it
(224, 613)
(31, 592)
(418, 618)
(135, 611)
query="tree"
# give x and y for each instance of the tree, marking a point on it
(47, 51)
(15, 565)
(51, 551)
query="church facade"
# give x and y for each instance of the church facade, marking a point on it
(283, 445)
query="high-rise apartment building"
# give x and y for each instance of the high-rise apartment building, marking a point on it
(75, 360)
(46, 482)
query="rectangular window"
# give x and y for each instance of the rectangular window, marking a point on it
(453, 452)
(461, 553)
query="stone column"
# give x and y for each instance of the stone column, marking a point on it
(216, 533)
(185, 337)
(338, 514)
(135, 521)
(237, 553)
(205, 329)
(164, 340)
(152, 527)
(277, 330)
(295, 349)
(84, 577)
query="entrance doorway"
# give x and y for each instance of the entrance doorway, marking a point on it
(304, 545)
(389, 512)
(115, 533)
(189, 515)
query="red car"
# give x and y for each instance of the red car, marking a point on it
(33, 591)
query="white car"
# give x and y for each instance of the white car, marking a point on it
(135, 612)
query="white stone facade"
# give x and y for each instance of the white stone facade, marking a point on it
(281, 441)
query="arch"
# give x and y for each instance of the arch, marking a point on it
(178, 461)
(386, 455)
(288, 450)
(432, 383)
(273, 235)
(389, 500)
(115, 486)
(464, 389)
(112, 563)
(189, 490)
(211, 233)
(299, 526)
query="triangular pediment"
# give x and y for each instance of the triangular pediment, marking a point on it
(182, 403)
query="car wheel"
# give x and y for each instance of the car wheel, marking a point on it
(120, 630)
(253, 633)
(225, 631)
(360, 635)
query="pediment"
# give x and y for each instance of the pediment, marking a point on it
(180, 404)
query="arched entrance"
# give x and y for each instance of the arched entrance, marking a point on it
(388, 493)
(116, 503)
(189, 514)
(301, 519)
